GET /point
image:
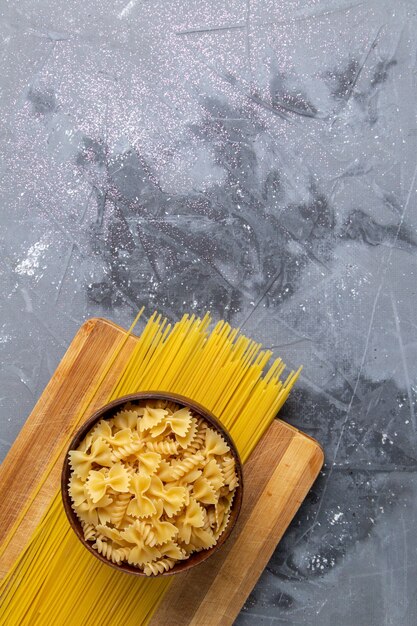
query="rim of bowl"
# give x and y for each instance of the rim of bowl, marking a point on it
(106, 412)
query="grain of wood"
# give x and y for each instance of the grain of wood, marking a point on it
(50, 426)
(277, 477)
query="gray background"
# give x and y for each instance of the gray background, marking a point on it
(252, 157)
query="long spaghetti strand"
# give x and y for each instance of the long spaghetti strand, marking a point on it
(55, 580)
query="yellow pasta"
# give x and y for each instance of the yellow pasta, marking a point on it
(119, 507)
(159, 566)
(229, 472)
(55, 580)
(89, 531)
(136, 510)
(82, 462)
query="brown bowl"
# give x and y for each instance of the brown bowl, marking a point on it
(108, 411)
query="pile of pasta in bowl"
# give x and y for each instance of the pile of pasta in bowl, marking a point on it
(152, 485)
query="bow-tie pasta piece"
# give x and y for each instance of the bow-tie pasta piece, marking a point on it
(123, 438)
(213, 473)
(192, 517)
(163, 532)
(98, 482)
(82, 462)
(152, 485)
(104, 513)
(142, 505)
(141, 553)
(226, 516)
(114, 535)
(129, 448)
(215, 445)
(186, 440)
(127, 418)
(164, 471)
(151, 418)
(204, 492)
(77, 490)
(178, 423)
(172, 497)
(86, 443)
(88, 511)
(102, 430)
(222, 509)
(173, 551)
(148, 462)
(202, 539)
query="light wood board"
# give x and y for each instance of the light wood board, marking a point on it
(277, 478)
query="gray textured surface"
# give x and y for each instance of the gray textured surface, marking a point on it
(256, 158)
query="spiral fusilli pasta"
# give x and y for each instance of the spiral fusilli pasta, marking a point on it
(230, 477)
(129, 449)
(186, 465)
(158, 567)
(106, 549)
(152, 485)
(89, 531)
(199, 439)
(119, 507)
(166, 446)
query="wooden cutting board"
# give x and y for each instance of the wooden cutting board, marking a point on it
(277, 478)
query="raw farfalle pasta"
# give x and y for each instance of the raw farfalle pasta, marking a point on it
(152, 485)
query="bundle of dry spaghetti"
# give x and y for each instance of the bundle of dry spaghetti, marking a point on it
(55, 580)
